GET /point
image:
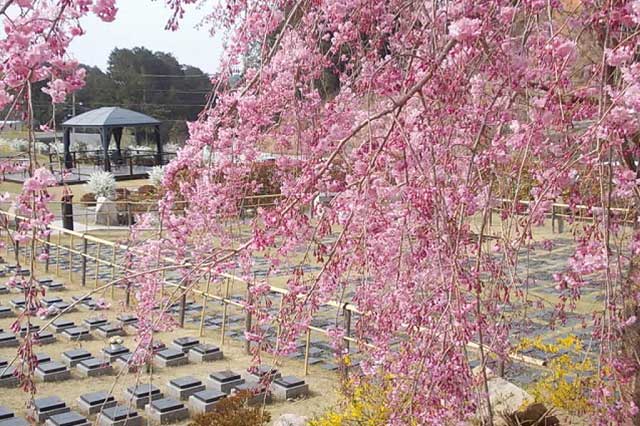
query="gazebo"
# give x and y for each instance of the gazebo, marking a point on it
(110, 121)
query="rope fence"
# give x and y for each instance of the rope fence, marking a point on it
(101, 265)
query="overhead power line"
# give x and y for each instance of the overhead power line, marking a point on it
(207, 76)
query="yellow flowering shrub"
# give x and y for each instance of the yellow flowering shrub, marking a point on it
(569, 377)
(362, 404)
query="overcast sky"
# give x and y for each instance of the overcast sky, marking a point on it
(141, 23)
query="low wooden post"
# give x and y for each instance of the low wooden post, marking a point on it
(224, 312)
(307, 344)
(279, 323)
(47, 251)
(58, 253)
(248, 320)
(85, 246)
(127, 299)
(183, 306)
(347, 327)
(204, 304)
(560, 224)
(95, 284)
(71, 250)
(16, 252)
(113, 271)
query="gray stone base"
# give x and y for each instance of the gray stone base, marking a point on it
(109, 334)
(50, 423)
(183, 394)
(163, 363)
(281, 393)
(122, 364)
(90, 410)
(9, 382)
(53, 377)
(223, 387)
(140, 402)
(41, 417)
(199, 407)
(95, 372)
(131, 421)
(259, 399)
(198, 357)
(9, 343)
(82, 337)
(156, 417)
(46, 340)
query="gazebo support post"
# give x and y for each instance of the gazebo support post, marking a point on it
(117, 136)
(156, 133)
(105, 136)
(66, 142)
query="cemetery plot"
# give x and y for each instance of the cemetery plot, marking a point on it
(205, 401)
(166, 410)
(183, 387)
(224, 381)
(94, 402)
(45, 407)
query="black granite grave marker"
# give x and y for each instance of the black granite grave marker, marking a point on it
(225, 376)
(70, 418)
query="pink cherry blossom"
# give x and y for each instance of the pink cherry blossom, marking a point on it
(465, 29)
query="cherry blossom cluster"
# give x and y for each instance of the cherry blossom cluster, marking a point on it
(436, 111)
(397, 128)
(34, 46)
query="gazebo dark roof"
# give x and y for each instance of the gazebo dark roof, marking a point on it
(110, 121)
(111, 117)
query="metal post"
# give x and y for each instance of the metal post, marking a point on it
(85, 246)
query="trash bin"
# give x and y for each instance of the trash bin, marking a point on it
(67, 210)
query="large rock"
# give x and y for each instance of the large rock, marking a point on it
(290, 420)
(106, 212)
(505, 396)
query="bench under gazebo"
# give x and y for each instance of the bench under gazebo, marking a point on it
(110, 122)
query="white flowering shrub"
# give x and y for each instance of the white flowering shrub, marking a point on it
(171, 147)
(103, 184)
(156, 174)
(140, 149)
